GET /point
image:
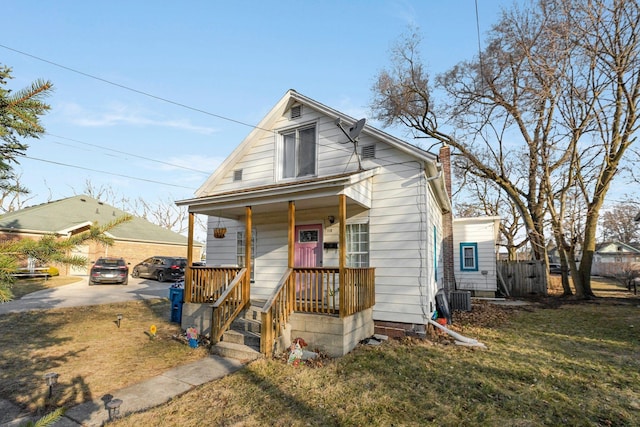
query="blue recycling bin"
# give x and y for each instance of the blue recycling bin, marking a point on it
(176, 296)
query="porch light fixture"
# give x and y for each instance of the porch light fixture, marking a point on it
(331, 219)
(51, 379)
(113, 407)
(118, 319)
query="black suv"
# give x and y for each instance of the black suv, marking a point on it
(160, 268)
(109, 270)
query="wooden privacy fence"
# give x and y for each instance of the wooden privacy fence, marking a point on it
(522, 278)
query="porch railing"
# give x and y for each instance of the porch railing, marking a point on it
(229, 305)
(315, 290)
(206, 284)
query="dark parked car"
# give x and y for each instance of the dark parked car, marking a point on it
(109, 270)
(555, 268)
(160, 268)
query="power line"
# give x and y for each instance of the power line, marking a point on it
(130, 154)
(159, 98)
(105, 172)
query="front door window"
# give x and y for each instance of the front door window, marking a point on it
(308, 246)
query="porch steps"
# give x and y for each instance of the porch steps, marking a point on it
(242, 340)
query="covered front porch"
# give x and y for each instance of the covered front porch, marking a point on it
(216, 295)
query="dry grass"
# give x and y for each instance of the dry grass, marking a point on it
(545, 364)
(85, 346)
(601, 286)
(558, 362)
(23, 287)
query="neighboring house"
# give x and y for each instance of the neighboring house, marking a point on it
(475, 254)
(134, 240)
(321, 216)
(614, 258)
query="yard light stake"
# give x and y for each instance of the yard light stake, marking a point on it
(119, 318)
(113, 407)
(51, 378)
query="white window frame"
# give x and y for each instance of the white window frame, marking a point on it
(464, 247)
(358, 251)
(295, 157)
(240, 250)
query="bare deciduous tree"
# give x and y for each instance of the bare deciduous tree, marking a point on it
(618, 223)
(555, 90)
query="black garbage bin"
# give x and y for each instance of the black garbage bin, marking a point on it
(176, 296)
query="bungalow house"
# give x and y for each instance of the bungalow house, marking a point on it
(326, 223)
(134, 240)
(614, 258)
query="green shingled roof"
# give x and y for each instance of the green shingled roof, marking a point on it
(65, 215)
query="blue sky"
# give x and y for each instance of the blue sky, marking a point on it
(233, 59)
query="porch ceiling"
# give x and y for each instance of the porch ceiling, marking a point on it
(309, 194)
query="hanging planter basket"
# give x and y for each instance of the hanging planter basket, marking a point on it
(220, 230)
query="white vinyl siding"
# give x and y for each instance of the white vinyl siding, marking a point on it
(402, 218)
(475, 253)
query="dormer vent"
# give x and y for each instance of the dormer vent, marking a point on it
(237, 175)
(369, 151)
(296, 111)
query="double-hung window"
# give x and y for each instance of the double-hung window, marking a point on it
(240, 251)
(357, 245)
(469, 256)
(299, 152)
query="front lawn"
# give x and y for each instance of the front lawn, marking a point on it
(85, 346)
(550, 364)
(558, 362)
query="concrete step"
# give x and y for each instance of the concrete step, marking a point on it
(236, 351)
(242, 340)
(242, 337)
(242, 324)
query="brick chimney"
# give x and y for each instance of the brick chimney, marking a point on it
(448, 276)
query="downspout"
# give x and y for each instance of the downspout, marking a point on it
(460, 340)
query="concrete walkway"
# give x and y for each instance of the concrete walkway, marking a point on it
(141, 396)
(137, 397)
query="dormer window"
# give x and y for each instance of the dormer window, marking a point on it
(298, 153)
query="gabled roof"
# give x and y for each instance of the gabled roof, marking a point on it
(290, 98)
(66, 215)
(613, 246)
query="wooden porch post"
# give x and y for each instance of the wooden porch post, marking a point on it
(188, 272)
(292, 232)
(246, 296)
(342, 251)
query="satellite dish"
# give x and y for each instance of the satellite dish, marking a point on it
(355, 130)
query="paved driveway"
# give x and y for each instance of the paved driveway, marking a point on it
(80, 293)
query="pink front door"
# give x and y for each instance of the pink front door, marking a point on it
(308, 246)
